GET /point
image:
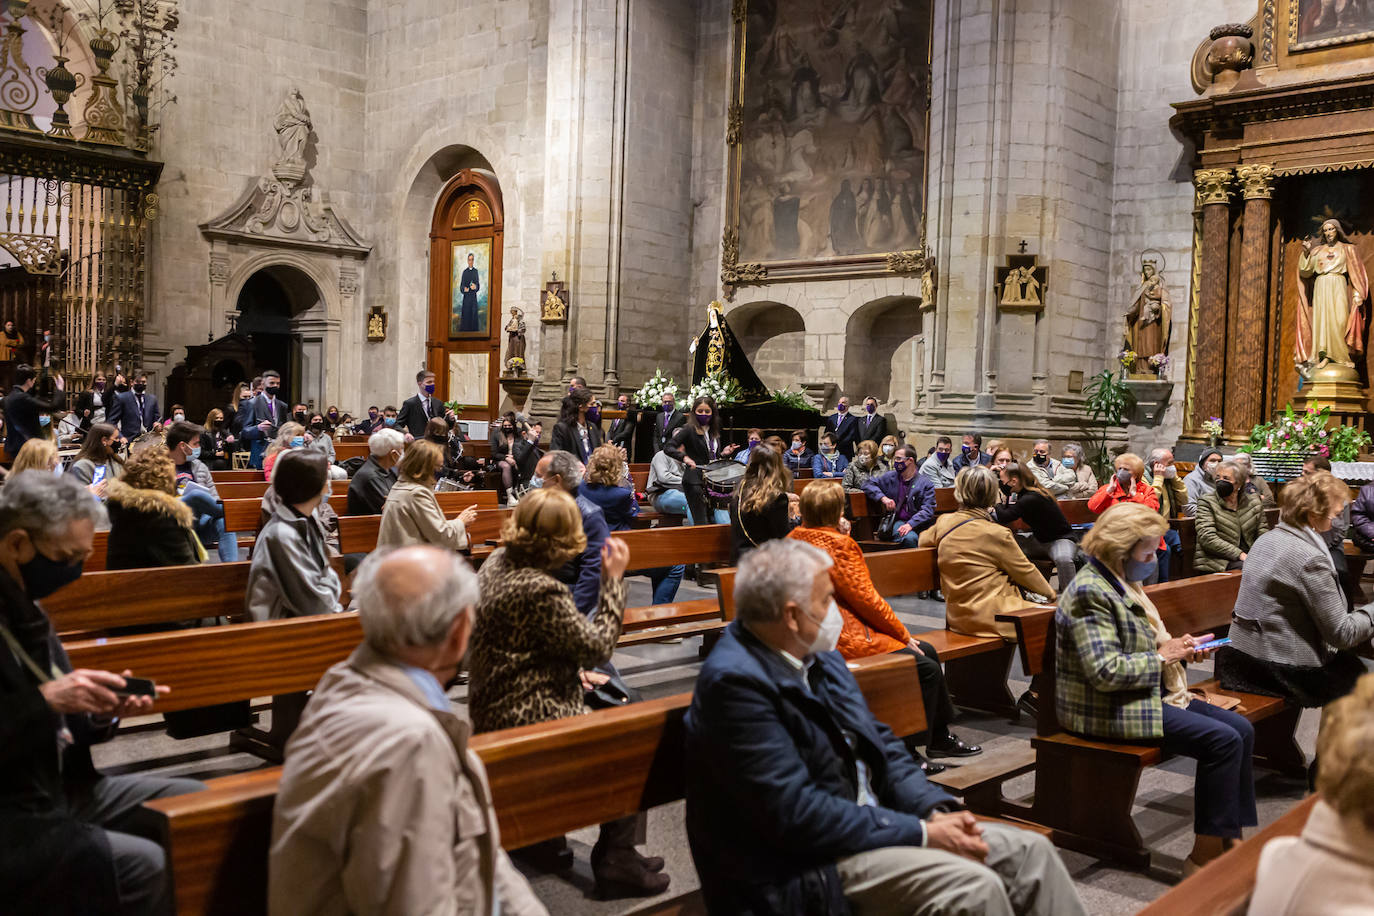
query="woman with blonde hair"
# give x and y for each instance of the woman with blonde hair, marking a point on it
(290, 435)
(411, 514)
(870, 626)
(863, 467)
(982, 570)
(1292, 633)
(531, 649)
(36, 455)
(763, 506)
(887, 450)
(216, 441)
(607, 485)
(1120, 677)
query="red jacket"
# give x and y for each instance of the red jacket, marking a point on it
(1111, 494)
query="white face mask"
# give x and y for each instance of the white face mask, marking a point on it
(828, 636)
(888, 450)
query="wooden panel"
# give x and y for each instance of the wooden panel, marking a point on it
(242, 514)
(1224, 886)
(346, 450)
(944, 500)
(220, 664)
(222, 477)
(1032, 624)
(163, 594)
(902, 572)
(256, 489)
(678, 612)
(655, 547)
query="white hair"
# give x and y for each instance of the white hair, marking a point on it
(399, 619)
(1157, 454)
(44, 505)
(385, 441)
(775, 573)
(567, 467)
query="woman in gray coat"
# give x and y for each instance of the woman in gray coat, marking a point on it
(291, 575)
(1291, 631)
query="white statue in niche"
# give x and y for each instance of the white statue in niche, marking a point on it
(293, 128)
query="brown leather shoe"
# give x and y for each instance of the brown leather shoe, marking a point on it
(621, 873)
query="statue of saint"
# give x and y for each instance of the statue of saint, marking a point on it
(1150, 318)
(515, 336)
(293, 127)
(1332, 289)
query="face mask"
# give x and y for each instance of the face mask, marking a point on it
(390, 421)
(704, 419)
(99, 386)
(966, 449)
(888, 450)
(828, 452)
(843, 408)
(1140, 570)
(828, 636)
(942, 457)
(900, 466)
(796, 446)
(1225, 488)
(429, 389)
(179, 417)
(1042, 460)
(195, 453)
(537, 482)
(593, 414)
(372, 414)
(140, 388)
(42, 576)
(299, 417)
(863, 461)
(44, 420)
(333, 415)
(271, 390)
(1123, 477)
(298, 442)
(870, 408)
(1069, 462)
(317, 426)
(753, 443)
(507, 430)
(1171, 472)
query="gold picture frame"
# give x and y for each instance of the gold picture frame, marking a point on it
(793, 219)
(1307, 31)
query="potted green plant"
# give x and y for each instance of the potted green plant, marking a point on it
(1278, 448)
(1108, 401)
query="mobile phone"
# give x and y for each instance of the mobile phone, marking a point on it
(1213, 644)
(137, 687)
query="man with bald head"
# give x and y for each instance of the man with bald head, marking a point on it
(382, 806)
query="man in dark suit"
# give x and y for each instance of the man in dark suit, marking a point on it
(872, 425)
(418, 409)
(261, 416)
(667, 422)
(134, 412)
(22, 409)
(622, 431)
(799, 800)
(844, 427)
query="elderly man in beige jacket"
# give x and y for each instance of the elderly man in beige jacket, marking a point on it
(382, 808)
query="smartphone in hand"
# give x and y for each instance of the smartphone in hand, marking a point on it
(137, 687)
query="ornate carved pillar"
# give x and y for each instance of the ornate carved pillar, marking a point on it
(1247, 324)
(1207, 350)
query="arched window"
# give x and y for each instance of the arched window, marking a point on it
(464, 345)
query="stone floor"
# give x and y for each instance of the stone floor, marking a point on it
(1163, 810)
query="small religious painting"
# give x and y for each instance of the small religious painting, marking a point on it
(1323, 23)
(470, 312)
(468, 378)
(831, 144)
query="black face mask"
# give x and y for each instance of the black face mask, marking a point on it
(299, 416)
(271, 391)
(122, 388)
(140, 388)
(317, 427)
(43, 575)
(1225, 488)
(1041, 459)
(507, 430)
(1006, 488)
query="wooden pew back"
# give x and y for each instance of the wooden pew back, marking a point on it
(541, 787)
(256, 488)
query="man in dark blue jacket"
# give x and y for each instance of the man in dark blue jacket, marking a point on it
(23, 409)
(261, 416)
(799, 801)
(908, 493)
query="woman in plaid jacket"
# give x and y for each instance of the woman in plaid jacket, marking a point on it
(1120, 677)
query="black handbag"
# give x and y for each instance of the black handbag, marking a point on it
(611, 694)
(887, 528)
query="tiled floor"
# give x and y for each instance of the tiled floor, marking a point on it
(1163, 804)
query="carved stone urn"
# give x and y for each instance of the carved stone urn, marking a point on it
(1232, 51)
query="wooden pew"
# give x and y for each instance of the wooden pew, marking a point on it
(541, 786)
(255, 489)
(1099, 822)
(1187, 536)
(223, 477)
(1225, 885)
(346, 450)
(976, 667)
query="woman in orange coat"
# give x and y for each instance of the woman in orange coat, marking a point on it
(870, 626)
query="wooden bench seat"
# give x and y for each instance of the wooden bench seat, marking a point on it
(541, 786)
(1100, 823)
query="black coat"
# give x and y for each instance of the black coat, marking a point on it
(21, 416)
(413, 418)
(148, 528)
(47, 852)
(622, 431)
(567, 438)
(1043, 516)
(750, 529)
(368, 489)
(846, 430)
(872, 428)
(123, 413)
(85, 401)
(663, 431)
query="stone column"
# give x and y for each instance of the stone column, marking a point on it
(1248, 320)
(1207, 355)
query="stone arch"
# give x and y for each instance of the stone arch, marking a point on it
(773, 336)
(312, 317)
(293, 266)
(882, 351)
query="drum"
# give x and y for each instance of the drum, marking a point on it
(720, 479)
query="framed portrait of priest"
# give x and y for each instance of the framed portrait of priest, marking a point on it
(827, 136)
(470, 310)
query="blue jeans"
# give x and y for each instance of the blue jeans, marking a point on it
(1223, 744)
(912, 539)
(257, 450)
(1173, 546)
(666, 580)
(674, 502)
(209, 516)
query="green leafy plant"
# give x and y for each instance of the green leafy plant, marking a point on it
(454, 406)
(1107, 401)
(794, 399)
(1306, 431)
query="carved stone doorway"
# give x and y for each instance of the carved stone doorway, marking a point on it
(278, 308)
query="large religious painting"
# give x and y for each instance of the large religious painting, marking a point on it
(1323, 23)
(470, 312)
(469, 377)
(828, 134)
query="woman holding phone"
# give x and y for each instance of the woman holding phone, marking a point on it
(1121, 677)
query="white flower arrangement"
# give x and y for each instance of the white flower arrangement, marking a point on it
(720, 388)
(650, 394)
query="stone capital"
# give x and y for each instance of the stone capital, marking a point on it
(1213, 186)
(1257, 181)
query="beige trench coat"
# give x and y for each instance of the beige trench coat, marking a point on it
(412, 515)
(382, 808)
(980, 569)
